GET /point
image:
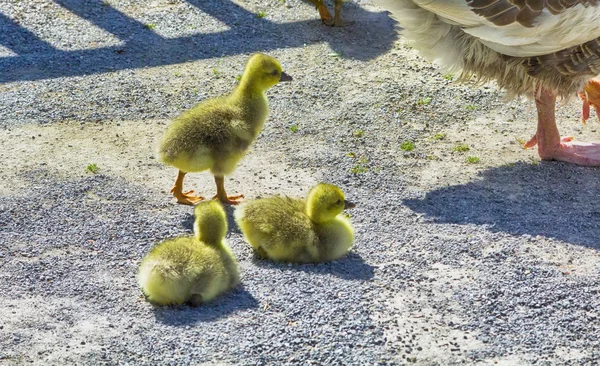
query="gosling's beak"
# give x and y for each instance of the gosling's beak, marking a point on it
(285, 77)
(348, 204)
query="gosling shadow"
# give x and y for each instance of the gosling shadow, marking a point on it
(551, 199)
(350, 267)
(236, 300)
(233, 227)
(187, 222)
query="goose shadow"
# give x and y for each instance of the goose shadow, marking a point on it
(349, 267)
(366, 35)
(552, 199)
(238, 299)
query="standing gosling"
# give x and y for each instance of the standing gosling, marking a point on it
(216, 133)
(294, 230)
(191, 269)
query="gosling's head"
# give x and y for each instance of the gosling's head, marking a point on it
(210, 225)
(325, 202)
(262, 72)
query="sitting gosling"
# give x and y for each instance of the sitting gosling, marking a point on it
(294, 230)
(194, 269)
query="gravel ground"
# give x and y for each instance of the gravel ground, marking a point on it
(492, 261)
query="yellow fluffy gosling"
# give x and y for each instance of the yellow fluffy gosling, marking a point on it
(301, 231)
(215, 134)
(194, 269)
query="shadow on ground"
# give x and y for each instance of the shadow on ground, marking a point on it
(350, 267)
(365, 36)
(551, 199)
(187, 221)
(236, 300)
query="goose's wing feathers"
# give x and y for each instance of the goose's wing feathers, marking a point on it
(524, 12)
(519, 28)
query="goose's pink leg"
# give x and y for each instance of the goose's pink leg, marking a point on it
(550, 144)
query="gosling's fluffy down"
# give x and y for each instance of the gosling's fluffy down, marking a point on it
(301, 231)
(215, 134)
(191, 269)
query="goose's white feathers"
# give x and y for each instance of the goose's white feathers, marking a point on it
(555, 43)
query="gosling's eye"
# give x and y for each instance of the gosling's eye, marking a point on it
(275, 73)
(339, 202)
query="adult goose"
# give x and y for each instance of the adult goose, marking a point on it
(540, 48)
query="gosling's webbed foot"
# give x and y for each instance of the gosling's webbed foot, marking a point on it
(222, 193)
(325, 14)
(338, 23)
(333, 22)
(229, 200)
(186, 198)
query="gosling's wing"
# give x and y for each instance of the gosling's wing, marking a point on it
(213, 127)
(273, 214)
(171, 258)
(276, 222)
(163, 273)
(214, 270)
(204, 126)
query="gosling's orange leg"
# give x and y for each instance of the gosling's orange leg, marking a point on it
(337, 20)
(222, 194)
(187, 198)
(590, 97)
(323, 11)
